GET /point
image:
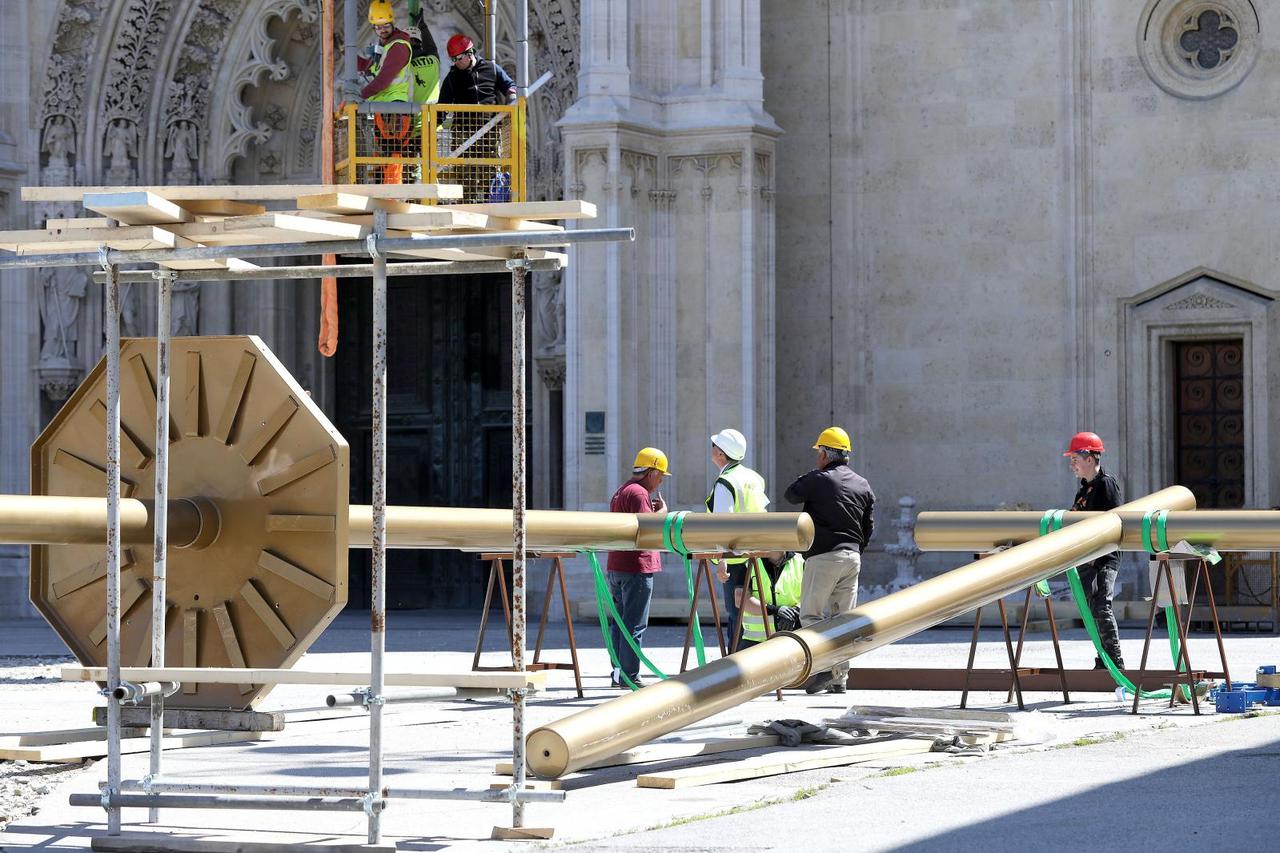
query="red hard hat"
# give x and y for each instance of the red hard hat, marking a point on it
(459, 44)
(1085, 442)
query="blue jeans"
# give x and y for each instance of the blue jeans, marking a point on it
(631, 595)
(730, 614)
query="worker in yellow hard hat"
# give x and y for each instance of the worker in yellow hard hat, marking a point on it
(631, 572)
(841, 504)
(387, 64)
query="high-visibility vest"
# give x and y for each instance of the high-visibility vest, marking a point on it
(747, 488)
(426, 75)
(785, 592)
(401, 87)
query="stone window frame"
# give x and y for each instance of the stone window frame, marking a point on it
(1159, 29)
(1200, 304)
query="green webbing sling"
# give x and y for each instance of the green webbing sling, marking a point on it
(1051, 521)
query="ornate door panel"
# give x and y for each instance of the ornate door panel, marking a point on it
(1209, 442)
(448, 424)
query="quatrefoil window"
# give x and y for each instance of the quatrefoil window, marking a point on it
(1209, 39)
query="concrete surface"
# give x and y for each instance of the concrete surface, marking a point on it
(1024, 796)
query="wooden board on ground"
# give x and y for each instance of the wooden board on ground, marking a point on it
(263, 192)
(932, 713)
(79, 750)
(567, 209)
(790, 760)
(163, 842)
(670, 750)
(521, 833)
(235, 675)
(181, 718)
(531, 785)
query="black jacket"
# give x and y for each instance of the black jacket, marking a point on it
(482, 83)
(1098, 495)
(841, 504)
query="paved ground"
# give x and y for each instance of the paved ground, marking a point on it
(1207, 782)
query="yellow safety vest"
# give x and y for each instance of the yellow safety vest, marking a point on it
(401, 87)
(747, 488)
(785, 592)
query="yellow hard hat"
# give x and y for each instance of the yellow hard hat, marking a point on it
(651, 457)
(380, 12)
(835, 438)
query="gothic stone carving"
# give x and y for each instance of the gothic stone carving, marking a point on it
(126, 91)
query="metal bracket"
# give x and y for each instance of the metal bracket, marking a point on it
(146, 783)
(371, 244)
(160, 274)
(367, 698)
(102, 258)
(513, 692)
(520, 263)
(107, 793)
(372, 803)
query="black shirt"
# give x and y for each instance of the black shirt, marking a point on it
(840, 502)
(482, 83)
(1098, 495)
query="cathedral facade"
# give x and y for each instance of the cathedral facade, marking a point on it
(962, 229)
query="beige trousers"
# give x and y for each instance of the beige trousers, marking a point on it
(830, 587)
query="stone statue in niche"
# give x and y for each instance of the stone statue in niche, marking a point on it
(181, 147)
(549, 314)
(63, 291)
(184, 307)
(120, 145)
(59, 147)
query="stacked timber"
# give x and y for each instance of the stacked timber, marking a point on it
(179, 217)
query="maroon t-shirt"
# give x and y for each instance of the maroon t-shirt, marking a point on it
(633, 498)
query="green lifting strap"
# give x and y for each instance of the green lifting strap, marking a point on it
(606, 610)
(1051, 521)
(673, 540)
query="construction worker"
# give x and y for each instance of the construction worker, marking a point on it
(783, 579)
(631, 572)
(475, 80)
(841, 504)
(388, 64)
(736, 489)
(1098, 491)
(425, 63)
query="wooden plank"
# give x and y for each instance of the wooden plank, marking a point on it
(567, 209)
(669, 751)
(57, 736)
(182, 718)
(521, 833)
(338, 678)
(94, 749)
(59, 241)
(163, 842)
(136, 208)
(261, 192)
(345, 203)
(77, 222)
(786, 761)
(221, 207)
(295, 226)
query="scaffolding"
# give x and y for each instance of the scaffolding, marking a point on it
(155, 791)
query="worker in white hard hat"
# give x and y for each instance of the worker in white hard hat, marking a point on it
(736, 489)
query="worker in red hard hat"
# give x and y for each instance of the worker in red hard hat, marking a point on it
(476, 80)
(1098, 491)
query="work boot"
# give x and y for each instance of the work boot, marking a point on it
(1098, 664)
(818, 683)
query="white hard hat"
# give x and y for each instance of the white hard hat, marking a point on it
(732, 442)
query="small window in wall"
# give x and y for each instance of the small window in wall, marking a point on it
(1208, 392)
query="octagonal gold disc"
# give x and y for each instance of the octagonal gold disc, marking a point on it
(243, 436)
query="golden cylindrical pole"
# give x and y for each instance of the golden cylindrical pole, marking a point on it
(1225, 530)
(46, 520)
(789, 658)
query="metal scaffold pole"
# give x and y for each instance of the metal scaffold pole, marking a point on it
(519, 445)
(112, 322)
(378, 438)
(159, 606)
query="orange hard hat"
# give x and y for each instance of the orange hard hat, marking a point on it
(1085, 442)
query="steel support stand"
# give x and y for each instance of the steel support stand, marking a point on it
(378, 437)
(112, 322)
(518, 448)
(159, 608)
